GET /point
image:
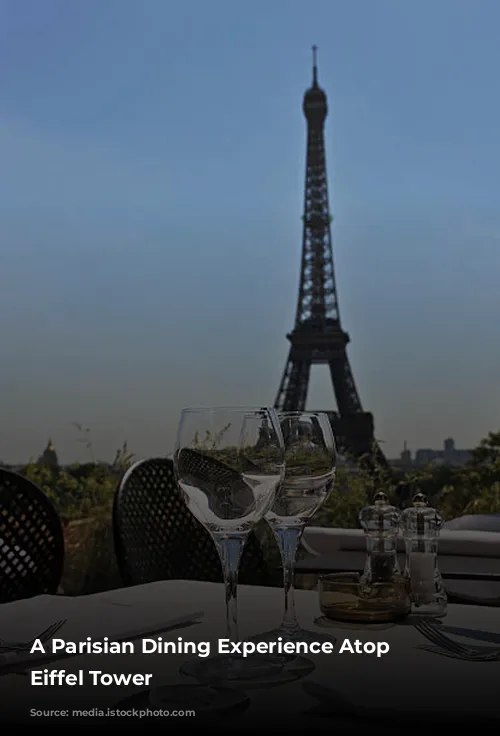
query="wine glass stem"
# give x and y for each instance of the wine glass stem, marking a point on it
(288, 540)
(230, 550)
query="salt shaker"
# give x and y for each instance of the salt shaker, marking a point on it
(421, 525)
(380, 523)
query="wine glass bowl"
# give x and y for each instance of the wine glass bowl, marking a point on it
(224, 489)
(310, 469)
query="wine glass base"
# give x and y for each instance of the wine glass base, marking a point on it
(169, 703)
(252, 671)
(293, 635)
(328, 623)
(204, 699)
(293, 663)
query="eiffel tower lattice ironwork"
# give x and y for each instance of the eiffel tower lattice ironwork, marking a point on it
(317, 337)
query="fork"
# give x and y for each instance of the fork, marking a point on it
(487, 657)
(44, 636)
(433, 634)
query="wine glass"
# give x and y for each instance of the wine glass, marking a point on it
(311, 460)
(229, 463)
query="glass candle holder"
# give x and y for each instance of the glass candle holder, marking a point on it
(346, 597)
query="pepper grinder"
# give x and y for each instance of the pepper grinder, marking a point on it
(421, 525)
(380, 523)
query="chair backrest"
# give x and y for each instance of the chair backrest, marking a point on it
(31, 540)
(157, 537)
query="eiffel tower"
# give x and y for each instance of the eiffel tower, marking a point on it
(317, 337)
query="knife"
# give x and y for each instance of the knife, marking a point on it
(21, 663)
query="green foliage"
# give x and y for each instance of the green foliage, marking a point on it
(77, 491)
(83, 495)
(210, 442)
(233, 457)
(473, 489)
(488, 451)
(80, 490)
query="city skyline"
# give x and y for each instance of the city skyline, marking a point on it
(408, 457)
(150, 206)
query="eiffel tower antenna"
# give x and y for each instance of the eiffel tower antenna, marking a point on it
(315, 65)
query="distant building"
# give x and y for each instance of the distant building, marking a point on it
(48, 458)
(404, 461)
(449, 455)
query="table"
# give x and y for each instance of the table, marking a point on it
(404, 674)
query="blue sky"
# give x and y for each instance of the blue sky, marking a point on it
(150, 200)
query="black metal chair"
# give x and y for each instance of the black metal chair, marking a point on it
(31, 540)
(157, 538)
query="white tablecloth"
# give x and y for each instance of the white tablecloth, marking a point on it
(406, 675)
